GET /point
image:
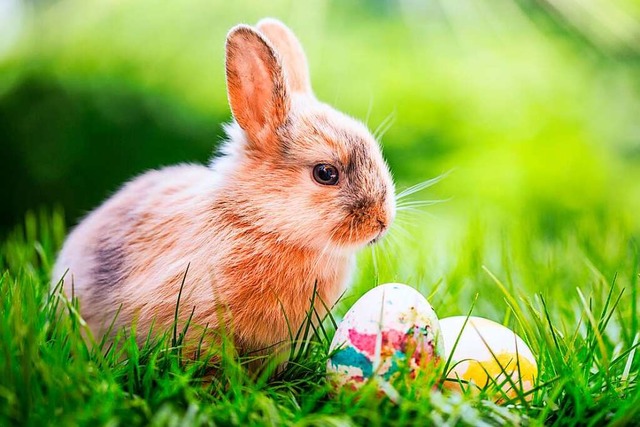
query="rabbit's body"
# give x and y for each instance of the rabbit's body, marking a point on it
(260, 228)
(137, 246)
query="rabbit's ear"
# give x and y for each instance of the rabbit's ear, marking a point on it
(255, 86)
(290, 50)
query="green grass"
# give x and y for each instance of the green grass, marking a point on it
(571, 294)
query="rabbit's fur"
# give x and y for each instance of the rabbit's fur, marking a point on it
(256, 229)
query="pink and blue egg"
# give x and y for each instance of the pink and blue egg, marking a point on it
(390, 326)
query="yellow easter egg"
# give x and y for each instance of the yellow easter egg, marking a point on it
(487, 356)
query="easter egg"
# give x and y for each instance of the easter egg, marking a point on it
(389, 330)
(487, 355)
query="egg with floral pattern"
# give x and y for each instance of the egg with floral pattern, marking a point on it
(389, 330)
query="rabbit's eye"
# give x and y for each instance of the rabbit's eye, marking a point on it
(325, 174)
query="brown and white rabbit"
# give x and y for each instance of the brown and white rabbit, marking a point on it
(297, 189)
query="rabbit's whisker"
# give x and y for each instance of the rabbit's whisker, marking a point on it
(421, 186)
(384, 249)
(369, 109)
(420, 203)
(398, 228)
(413, 212)
(374, 262)
(384, 126)
(403, 236)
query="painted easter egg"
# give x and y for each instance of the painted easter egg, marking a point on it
(389, 330)
(487, 355)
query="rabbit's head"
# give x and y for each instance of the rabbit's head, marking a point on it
(294, 167)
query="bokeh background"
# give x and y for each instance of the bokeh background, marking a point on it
(533, 106)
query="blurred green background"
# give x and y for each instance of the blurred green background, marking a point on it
(530, 107)
(533, 105)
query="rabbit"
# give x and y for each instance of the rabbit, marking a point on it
(296, 189)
